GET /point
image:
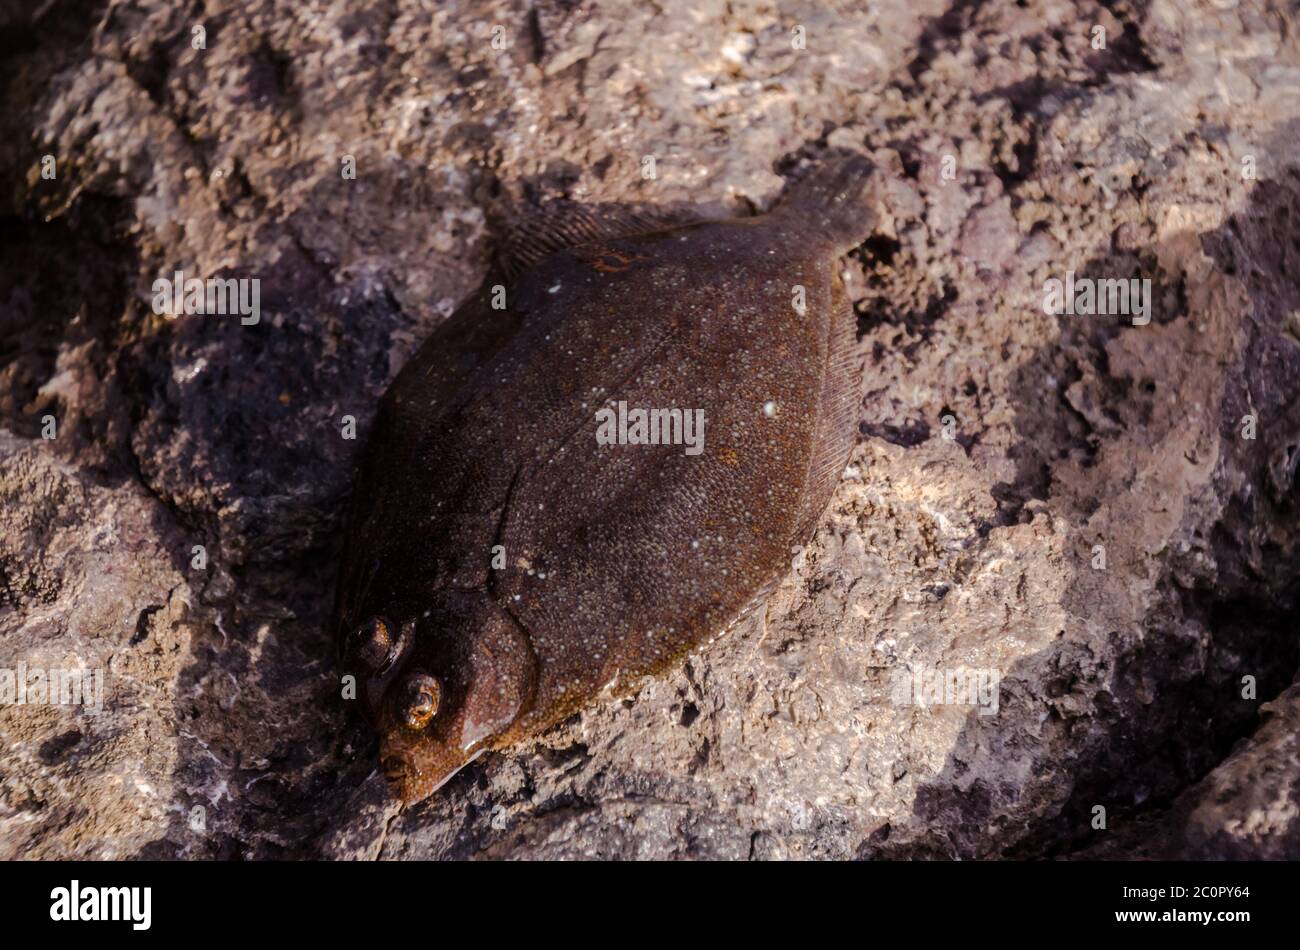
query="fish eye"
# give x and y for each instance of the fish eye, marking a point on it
(373, 642)
(419, 700)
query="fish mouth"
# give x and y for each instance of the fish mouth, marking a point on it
(401, 775)
(396, 769)
(408, 781)
(414, 783)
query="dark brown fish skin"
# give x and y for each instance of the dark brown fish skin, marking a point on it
(618, 559)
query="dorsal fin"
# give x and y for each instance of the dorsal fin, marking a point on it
(531, 233)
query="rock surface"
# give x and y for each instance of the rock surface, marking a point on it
(1069, 503)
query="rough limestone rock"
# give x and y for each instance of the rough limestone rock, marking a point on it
(1101, 513)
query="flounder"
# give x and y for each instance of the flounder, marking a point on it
(586, 473)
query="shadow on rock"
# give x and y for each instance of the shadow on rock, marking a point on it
(1186, 553)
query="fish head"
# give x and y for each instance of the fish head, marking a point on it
(441, 686)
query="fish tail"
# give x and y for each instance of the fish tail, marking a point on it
(833, 200)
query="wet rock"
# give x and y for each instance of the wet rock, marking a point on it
(1096, 515)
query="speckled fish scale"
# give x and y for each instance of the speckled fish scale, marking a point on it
(611, 561)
